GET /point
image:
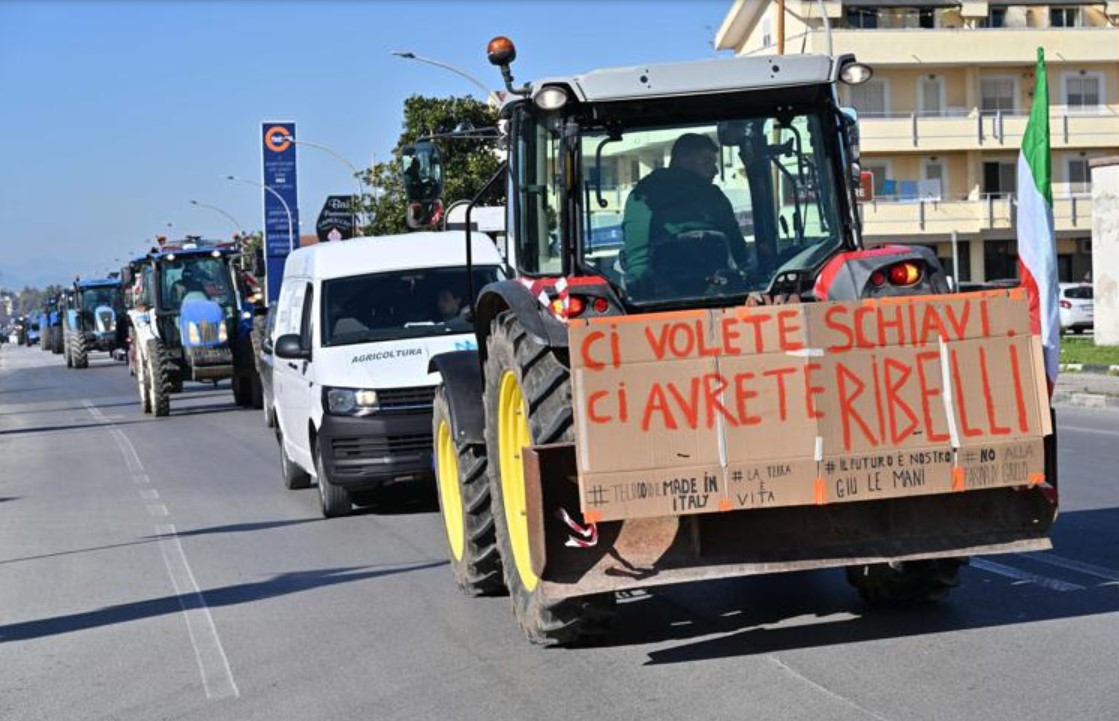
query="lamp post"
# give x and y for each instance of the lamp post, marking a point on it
(461, 73)
(291, 227)
(216, 209)
(327, 149)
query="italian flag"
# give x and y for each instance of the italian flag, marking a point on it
(1037, 240)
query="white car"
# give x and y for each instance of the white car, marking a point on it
(355, 325)
(1076, 310)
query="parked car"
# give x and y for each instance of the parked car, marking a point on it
(1077, 308)
(356, 324)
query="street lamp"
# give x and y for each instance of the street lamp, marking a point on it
(216, 209)
(291, 226)
(327, 149)
(462, 73)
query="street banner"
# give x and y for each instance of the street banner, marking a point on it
(817, 403)
(336, 219)
(1037, 240)
(281, 214)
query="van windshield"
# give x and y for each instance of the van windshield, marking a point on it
(399, 304)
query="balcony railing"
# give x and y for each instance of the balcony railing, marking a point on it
(993, 211)
(959, 129)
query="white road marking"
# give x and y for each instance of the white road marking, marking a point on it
(1087, 569)
(824, 690)
(213, 665)
(1085, 429)
(1018, 574)
(217, 677)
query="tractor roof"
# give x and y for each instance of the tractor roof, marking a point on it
(719, 75)
(99, 283)
(193, 247)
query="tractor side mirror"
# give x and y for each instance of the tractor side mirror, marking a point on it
(731, 133)
(851, 126)
(287, 346)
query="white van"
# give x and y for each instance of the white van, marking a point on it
(355, 325)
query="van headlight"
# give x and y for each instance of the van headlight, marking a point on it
(349, 401)
(192, 333)
(223, 334)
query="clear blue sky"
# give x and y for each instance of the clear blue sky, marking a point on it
(114, 115)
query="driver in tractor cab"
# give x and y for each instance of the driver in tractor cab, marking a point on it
(678, 203)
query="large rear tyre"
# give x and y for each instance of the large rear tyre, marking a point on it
(80, 349)
(528, 402)
(464, 500)
(160, 378)
(295, 478)
(906, 582)
(256, 391)
(56, 340)
(66, 351)
(334, 499)
(239, 392)
(145, 391)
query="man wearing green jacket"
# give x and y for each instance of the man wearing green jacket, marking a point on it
(675, 200)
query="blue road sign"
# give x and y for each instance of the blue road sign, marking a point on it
(281, 232)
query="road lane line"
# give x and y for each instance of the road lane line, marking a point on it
(825, 690)
(217, 677)
(213, 664)
(1085, 429)
(1087, 569)
(149, 494)
(1017, 574)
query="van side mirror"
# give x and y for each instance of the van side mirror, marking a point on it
(287, 346)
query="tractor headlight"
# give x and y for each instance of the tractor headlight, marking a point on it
(223, 334)
(349, 401)
(192, 333)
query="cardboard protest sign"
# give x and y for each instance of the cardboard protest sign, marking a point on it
(714, 410)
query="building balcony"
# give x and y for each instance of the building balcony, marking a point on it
(970, 46)
(930, 217)
(1069, 129)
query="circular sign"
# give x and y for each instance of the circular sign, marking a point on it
(277, 139)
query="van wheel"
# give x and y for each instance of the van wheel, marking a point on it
(464, 500)
(335, 500)
(527, 401)
(906, 582)
(295, 478)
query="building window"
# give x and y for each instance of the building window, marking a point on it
(935, 185)
(997, 94)
(869, 98)
(927, 18)
(863, 18)
(1082, 92)
(1079, 176)
(1000, 258)
(931, 95)
(1064, 17)
(1000, 178)
(996, 19)
(881, 172)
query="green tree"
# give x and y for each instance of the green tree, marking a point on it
(467, 163)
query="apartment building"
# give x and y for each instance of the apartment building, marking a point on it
(943, 117)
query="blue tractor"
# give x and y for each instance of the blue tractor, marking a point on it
(90, 314)
(190, 323)
(50, 326)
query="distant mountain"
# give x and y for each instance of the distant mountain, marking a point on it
(34, 273)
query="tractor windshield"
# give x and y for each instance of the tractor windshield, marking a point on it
(108, 296)
(200, 277)
(707, 209)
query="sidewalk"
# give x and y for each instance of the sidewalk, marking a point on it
(1091, 390)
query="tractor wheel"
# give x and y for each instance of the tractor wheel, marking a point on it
(240, 396)
(160, 378)
(67, 352)
(907, 582)
(56, 341)
(335, 500)
(256, 391)
(80, 349)
(527, 402)
(145, 393)
(464, 499)
(295, 478)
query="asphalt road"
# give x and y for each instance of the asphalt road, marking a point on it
(157, 569)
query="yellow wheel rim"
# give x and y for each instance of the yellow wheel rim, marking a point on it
(447, 461)
(512, 437)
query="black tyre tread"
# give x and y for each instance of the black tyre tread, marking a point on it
(160, 378)
(545, 383)
(925, 581)
(479, 572)
(56, 340)
(80, 348)
(295, 478)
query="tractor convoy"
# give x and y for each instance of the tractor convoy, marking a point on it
(676, 361)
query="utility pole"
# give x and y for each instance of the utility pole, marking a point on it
(780, 27)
